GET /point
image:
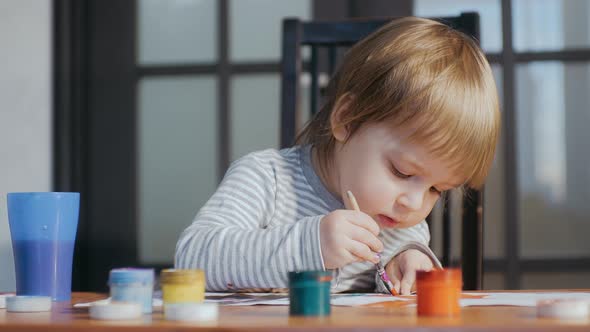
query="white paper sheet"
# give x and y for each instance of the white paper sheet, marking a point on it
(281, 299)
(350, 299)
(522, 299)
(359, 299)
(155, 303)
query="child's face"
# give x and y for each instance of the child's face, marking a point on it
(395, 182)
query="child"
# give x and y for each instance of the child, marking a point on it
(411, 113)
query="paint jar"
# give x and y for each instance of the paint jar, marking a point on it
(439, 292)
(182, 286)
(132, 285)
(309, 293)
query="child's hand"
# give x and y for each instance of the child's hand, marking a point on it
(402, 269)
(348, 236)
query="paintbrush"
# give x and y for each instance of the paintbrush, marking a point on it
(380, 269)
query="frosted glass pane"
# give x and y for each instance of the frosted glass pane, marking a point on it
(175, 31)
(553, 159)
(490, 14)
(550, 24)
(256, 26)
(177, 159)
(255, 113)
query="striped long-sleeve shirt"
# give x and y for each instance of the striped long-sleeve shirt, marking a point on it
(263, 221)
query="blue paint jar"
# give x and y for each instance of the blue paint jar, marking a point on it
(133, 285)
(309, 293)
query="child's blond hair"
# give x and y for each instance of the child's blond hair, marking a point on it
(423, 74)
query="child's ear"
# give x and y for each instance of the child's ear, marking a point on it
(341, 108)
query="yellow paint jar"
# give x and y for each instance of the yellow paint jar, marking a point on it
(181, 286)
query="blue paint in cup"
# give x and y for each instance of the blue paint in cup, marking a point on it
(43, 231)
(133, 285)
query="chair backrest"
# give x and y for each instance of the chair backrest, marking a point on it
(334, 36)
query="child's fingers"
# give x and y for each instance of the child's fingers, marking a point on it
(364, 236)
(363, 220)
(395, 275)
(397, 286)
(407, 282)
(362, 251)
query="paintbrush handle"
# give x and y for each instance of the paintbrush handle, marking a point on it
(380, 270)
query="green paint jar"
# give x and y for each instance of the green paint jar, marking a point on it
(309, 293)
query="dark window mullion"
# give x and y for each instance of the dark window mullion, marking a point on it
(260, 68)
(579, 264)
(211, 69)
(494, 58)
(224, 103)
(512, 276)
(564, 55)
(174, 70)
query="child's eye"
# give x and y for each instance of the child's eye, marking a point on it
(436, 191)
(398, 173)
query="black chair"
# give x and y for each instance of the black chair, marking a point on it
(333, 36)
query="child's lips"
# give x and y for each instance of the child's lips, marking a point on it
(387, 222)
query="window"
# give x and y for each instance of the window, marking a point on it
(539, 184)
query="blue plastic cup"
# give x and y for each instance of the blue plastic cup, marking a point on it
(43, 231)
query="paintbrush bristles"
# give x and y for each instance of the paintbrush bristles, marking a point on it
(352, 200)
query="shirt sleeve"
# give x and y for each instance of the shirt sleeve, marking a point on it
(396, 241)
(231, 240)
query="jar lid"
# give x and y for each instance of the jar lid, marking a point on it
(182, 275)
(28, 303)
(439, 275)
(3, 299)
(563, 308)
(115, 311)
(317, 275)
(131, 275)
(191, 311)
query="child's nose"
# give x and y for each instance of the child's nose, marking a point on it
(411, 200)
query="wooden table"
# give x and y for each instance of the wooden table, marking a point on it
(64, 317)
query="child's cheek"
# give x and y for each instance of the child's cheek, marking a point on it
(382, 192)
